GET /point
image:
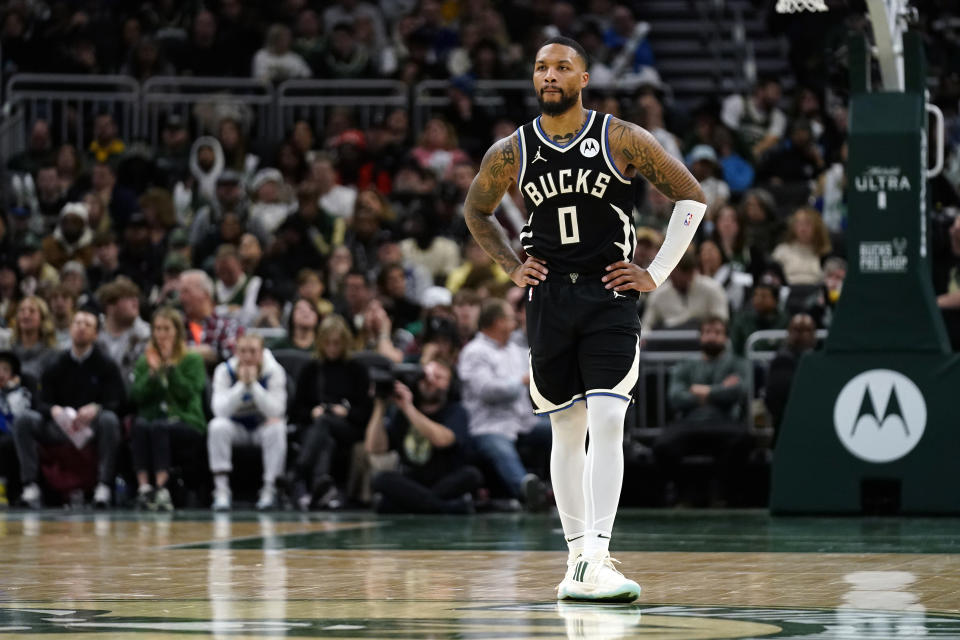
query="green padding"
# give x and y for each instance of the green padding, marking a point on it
(813, 470)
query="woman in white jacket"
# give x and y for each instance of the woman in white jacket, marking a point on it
(249, 406)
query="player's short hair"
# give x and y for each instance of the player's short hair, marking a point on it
(569, 42)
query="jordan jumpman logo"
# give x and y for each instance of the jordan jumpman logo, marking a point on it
(538, 156)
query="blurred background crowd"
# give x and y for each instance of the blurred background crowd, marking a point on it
(343, 248)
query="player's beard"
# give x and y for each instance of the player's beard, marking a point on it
(564, 104)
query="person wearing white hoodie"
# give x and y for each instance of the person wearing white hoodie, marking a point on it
(206, 165)
(249, 406)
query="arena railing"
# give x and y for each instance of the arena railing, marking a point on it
(431, 95)
(13, 134)
(206, 101)
(70, 102)
(368, 101)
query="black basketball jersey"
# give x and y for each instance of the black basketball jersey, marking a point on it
(580, 206)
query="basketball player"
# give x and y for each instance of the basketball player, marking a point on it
(574, 168)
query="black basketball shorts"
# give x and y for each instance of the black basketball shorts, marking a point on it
(584, 341)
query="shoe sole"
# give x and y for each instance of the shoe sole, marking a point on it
(627, 594)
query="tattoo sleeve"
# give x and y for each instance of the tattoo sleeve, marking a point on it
(497, 171)
(638, 148)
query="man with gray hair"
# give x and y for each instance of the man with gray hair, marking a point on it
(212, 336)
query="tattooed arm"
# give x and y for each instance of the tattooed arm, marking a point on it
(497, 172)
(636, 150)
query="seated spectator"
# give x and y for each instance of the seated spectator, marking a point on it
(211, 335)
(728, 234)
(726, 275)
(757, 118)
(140, 259)
(799, 162)
(234, 145)
(272, 199)
(72, 239)
(206, 165)
(228, 198)
(63, 304)
(467, 305)
(376, 332)
(32, 336)
(392, 285)
(105, 266)
(69, 166)
(417, 277)
(38, 151)
(704, 166)
(73, 277)
(302, 328)
(801, 339)
(119, 201)
(806, 244)
(37, 274)
(125, 334)
(709, 396)
(439, 255)
(437, 149)
(249, 405)
(322, 230)
(275, 62)
(331, 408)
(168, 384)
(15, 399)
(626, 39)
(336, 199)
(429, 432)
(347, 57)
(762, 228)
(738, 173)
(236, 293)
(495, 393)
(48, 202)
(80, 395)
(478, 269)
(764, 314)
(105, 144)
(686, 298)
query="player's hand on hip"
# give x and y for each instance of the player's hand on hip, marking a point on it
(624, 276)
(532, 272)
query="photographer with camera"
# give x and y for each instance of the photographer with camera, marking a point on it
(430, 436)
(331, 406)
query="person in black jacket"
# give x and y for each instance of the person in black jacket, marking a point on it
(81, 391)
(331, 406)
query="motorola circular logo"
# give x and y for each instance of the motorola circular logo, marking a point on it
(589, 147)
(880, 415)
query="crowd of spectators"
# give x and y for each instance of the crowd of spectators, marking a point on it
(346, 244)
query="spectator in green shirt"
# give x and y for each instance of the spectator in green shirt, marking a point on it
(168, 383)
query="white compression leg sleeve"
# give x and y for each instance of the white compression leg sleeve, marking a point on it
(603, 477)
(567, 458)
(683, 224)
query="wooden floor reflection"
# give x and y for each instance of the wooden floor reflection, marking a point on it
(248, 576)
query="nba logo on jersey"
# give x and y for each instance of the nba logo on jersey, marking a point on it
(688, 220)
(589, 148)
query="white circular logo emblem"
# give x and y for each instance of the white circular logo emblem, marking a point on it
(589, 147)
(880, 415)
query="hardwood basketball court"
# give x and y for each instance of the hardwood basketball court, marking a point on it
(730, 574)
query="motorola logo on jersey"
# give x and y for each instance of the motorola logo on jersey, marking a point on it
(589, 148)
(880, 415)
(565, 183)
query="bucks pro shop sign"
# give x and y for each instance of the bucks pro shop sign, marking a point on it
(880, 415)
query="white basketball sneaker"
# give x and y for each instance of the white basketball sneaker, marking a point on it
(221, 500)
(595, 578)
(566, 583)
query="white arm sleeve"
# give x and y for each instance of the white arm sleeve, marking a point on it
(684, 221)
